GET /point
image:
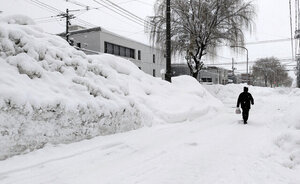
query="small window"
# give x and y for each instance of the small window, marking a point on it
(78, 45)
(139, 55)
(127, 52)
(153, 72)
(109, 48)
(153, 58)
(132, 53)
(117, 50)
(122, 51)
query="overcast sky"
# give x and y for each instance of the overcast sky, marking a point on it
(272, 23)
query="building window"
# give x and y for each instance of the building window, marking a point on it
(109, 48)
(122, 51)
(127, 52)
(78, 45)
(206, 79)
(153, 58)
(118, 50)
(132, 53)
(139, 55)
(153, 72)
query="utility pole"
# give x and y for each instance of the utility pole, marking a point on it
(297, 39)
(68, 23)
(233, 76)
(233, 66)
(247, 60)
(168, 42)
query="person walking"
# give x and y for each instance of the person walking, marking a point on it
(245, 98)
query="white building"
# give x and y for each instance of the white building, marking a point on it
(95, 40)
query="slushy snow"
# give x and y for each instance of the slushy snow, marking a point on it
(124, 126)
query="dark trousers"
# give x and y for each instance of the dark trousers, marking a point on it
(245, 114)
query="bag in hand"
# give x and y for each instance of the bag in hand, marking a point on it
(238, 110)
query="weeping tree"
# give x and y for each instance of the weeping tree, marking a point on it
(199, 26)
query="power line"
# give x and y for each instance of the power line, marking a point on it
(244, 62)
(113, 7)
(137, 1)
(76, 3)
(269, 41)
(125, 11)
(55, 10)
(46, 6)
(117, 12)
(122, 12)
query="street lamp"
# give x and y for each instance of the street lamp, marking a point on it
(232, 46)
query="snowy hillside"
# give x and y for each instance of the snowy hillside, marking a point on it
(53, 93)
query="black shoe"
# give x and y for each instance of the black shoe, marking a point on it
(245, 122)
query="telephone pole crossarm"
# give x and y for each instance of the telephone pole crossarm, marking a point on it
(68, 23)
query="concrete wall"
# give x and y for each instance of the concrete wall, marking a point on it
(88, 40)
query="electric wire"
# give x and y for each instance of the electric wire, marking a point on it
(117, 12)
(50, 8)
(125, 11)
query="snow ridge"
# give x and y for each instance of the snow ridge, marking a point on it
(53, 93)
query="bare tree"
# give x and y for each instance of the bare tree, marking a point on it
(198, 26)
(271, 71)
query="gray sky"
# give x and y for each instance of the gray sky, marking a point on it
(272, 22)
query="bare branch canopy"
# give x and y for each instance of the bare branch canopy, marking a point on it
(198, 26)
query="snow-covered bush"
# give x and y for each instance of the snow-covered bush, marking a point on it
(53, 93)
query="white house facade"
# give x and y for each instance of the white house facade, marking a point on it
(97, 40)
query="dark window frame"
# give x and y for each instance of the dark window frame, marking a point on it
(119, 50)
(139, 54)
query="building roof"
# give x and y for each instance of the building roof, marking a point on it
(81, 31)
(102, 30)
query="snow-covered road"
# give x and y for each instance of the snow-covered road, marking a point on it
(213, 149)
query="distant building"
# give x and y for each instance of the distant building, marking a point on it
(98, 40)
(208, 75)
(244, 78)
(213, 75)
(232, 78)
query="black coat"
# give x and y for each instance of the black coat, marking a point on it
(245, 99)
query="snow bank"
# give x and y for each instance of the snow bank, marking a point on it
(52, 93)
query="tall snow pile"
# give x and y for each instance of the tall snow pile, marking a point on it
(53, 93)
